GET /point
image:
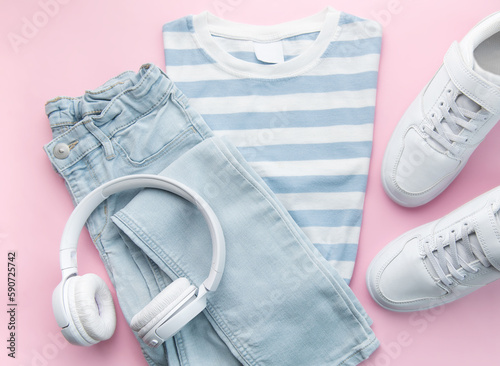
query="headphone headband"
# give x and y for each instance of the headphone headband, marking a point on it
(74, 226)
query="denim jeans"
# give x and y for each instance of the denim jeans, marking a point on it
(279, 302)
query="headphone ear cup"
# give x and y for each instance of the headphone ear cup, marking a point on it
(164, 302)
(91, 308)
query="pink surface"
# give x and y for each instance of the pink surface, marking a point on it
(79, 45)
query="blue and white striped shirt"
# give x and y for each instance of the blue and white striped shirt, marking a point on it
(305, 125)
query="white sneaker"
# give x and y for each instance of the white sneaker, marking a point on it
(450, 117)
(441, 261)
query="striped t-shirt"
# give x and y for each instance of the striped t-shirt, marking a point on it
(297, 99)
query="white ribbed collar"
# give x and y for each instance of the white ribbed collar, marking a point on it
(206, 25)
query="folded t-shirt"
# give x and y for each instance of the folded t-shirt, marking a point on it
(297, 99)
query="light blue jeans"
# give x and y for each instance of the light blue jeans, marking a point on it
(280, 303)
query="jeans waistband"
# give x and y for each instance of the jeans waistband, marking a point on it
(81, 124)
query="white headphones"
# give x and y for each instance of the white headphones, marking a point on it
(83, 305)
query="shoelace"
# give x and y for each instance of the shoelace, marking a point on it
(460, 119)
(445, 258)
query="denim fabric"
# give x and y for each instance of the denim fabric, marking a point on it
(279, 302)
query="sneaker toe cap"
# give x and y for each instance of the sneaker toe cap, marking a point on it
(418, 172)
(399, 280)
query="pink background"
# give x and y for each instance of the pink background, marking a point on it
(81, 44)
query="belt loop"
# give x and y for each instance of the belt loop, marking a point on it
(103, 139)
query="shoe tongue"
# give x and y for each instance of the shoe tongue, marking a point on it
(462, 252)
(461, 249)
(463, 102)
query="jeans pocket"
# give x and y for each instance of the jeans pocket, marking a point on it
(154, 133)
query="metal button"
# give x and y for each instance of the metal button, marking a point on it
(153, 343)
(61, 151)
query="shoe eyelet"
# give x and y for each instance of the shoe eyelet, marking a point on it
(433, 115)
(448, 91)
(441, 104)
